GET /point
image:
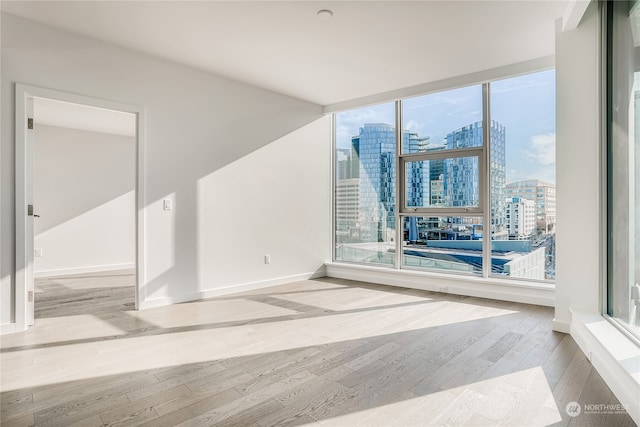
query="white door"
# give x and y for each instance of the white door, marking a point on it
(31, 213)
(26, 210)
(24, 295)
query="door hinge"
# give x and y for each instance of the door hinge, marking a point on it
(30, 296)
(29, 123)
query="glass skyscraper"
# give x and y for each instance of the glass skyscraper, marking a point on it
(376, 146)
(456, 179)
(461, 186)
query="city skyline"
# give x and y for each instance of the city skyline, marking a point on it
(525, 105)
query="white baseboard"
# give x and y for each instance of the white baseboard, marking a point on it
(7, 328)
(82, 270)
(615, 356)
(232, 289)
(512, 290)
(560, 326)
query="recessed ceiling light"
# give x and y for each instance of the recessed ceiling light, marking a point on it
(325, 14)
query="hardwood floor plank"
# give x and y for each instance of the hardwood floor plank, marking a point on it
(251, 416)
(142, 410)
(24, 420)
(191, 410)
(191, 371)
(220, 381)
(497, 350)
(305, 403)
(556, 364)
(220, 413)
(615, 417)
(77, 411)
(571, 384)
(328, 352)
(593, 393)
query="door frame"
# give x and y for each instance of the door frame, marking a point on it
(23, 309)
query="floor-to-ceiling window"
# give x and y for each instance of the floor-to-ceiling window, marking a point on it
(472, 161)
(442, 161)
(365, 185)
(623, 145)
(523, 175)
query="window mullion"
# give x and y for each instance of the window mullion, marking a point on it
(400, 183)
(485, 181)
(442, 154)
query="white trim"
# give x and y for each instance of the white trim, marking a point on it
(232, 289)
(560, 326)
(24, 92)
(20, 300)
(511, 70)
(506, 290)
(141, 212)
(573, 14)
(614, 355)
(83, 270)
(7, 328)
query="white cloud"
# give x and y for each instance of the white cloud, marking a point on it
(543, 149)
(412, 126)
(349, 122)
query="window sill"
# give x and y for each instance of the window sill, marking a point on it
(614, 355)
(527, 292)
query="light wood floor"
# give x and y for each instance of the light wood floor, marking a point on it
(322, 352)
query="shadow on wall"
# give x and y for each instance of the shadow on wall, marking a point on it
(195, 123)
(76, 171)
(230, 208)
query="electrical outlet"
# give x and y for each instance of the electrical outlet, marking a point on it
(38, 252)
(267, 259)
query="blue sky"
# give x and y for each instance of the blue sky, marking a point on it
(525, 105)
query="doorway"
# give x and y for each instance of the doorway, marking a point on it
(78, 203)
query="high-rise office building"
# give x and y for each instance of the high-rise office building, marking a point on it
(452, 182)
(543, 194)
(376, 147)
(347, 199)
(461, 174)
(417, 173)
(347, 163)
(520, 218)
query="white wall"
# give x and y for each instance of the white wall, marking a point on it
(84, 193)
(196, 124)
(580, 243)
(578, 266)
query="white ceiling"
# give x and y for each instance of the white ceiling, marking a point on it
(365, 49)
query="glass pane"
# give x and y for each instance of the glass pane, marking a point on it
(443, 183)
(624, 172)
(365, 185)
(452, 244)
(523, 191)
(451, 119)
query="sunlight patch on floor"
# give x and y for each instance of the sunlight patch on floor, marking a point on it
(59, 329)
(519, 398)
(69, 362)
(209, 312)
